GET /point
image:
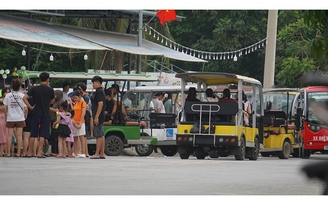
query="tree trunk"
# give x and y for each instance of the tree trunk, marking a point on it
(118, 61)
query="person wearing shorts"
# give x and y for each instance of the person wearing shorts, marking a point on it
(43, 96)
(79, 108)
(98, 112)
(16, 113)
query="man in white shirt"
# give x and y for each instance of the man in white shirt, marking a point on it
(128, 101)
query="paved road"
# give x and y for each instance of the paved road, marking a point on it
(159, 175)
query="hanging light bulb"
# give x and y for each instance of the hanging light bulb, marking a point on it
(220, 57)
(51, 58)
(228, 56)
(154, 35)
(85, 57)
(146, 28)
(255, 48)
(23, 52)
(158, 38)
(235, 58)
(223, 56)
(240, 53)
(162, 40)
(150, 32)
(166, 42)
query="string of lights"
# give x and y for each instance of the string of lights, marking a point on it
(51, 58)
(206, 55)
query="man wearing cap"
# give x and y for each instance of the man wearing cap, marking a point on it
(157, 102)
(98, 112)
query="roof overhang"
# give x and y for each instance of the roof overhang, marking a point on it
(26, 30)
(19, 29)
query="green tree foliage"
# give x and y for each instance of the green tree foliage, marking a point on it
(293, 57)
(318, 20)
(223, 31)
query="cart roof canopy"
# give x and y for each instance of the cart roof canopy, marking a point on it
(216, 78)
(89, 76)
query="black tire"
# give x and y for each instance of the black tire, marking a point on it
(169, 151)
(256, 150)
(242, 150)
(183, 152)
(265, 154)
(144, 149)
(113, 145)
(286, 150)
(200, 154)
(91, 149)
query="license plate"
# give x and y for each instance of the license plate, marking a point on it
(325, 147)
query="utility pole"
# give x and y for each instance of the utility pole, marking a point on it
(139, 43)
(270, 50)
(139, 39)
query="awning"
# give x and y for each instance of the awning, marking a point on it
(26, 30)
(127, 43)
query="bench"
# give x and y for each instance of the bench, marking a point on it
(162, 118)
(275, 119)
(214, 112)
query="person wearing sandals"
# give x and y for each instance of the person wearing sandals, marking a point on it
(43, 96)
(98, 112)
(79, 108)
(16, 111)
(65, 128)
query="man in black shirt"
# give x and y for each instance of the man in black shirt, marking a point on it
(43, 96)
(98, 112)
(110, 104)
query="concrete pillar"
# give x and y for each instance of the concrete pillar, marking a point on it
(270, 51)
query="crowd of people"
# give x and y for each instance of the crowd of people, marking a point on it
(31, 118)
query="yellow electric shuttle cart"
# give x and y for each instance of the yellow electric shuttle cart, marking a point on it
(281, 137)
(217, 129)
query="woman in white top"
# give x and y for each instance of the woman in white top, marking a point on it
(16, 112)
